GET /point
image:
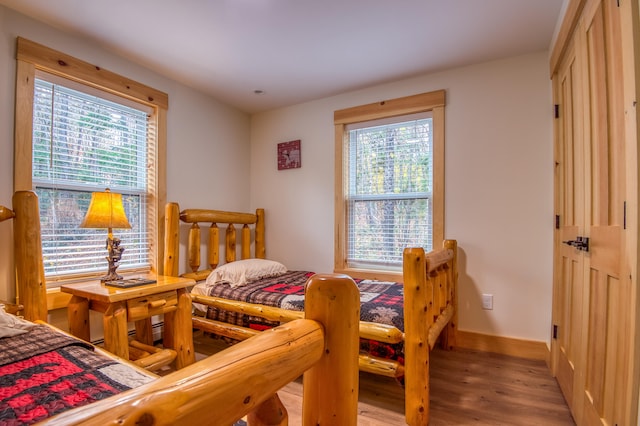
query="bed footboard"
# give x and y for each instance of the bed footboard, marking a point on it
(430, 307)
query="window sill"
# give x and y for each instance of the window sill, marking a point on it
(371, 274)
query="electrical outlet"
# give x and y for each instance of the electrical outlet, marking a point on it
(487, 301)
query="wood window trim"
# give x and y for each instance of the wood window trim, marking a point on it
(424, 102)
(31, 57)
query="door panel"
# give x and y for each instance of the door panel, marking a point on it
(605, 191)
(592, 297)
(569, 200)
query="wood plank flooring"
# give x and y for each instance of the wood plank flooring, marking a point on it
(467, 388)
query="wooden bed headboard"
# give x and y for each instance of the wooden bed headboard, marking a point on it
(212, 218)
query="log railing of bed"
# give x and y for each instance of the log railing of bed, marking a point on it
(240, 380)
(430, 296)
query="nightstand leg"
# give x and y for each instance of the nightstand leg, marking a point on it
(179, 330)
(116, 338)
(78, 317)
(144, 331)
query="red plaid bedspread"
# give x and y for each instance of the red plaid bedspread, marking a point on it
(381, 302)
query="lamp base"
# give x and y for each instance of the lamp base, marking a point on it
(115, 254)
(110, 277)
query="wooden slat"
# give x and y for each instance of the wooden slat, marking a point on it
(439, 324)
(201, 275)
(193, 247)
(225, 329)
(267, 312)
(367, 330)
(435, 259)
(260, 250)
(216, 216)
(213, 248)
(380, 366)
(381, 332)
(230, 244)
(246, 242)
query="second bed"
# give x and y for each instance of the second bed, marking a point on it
(400, 322)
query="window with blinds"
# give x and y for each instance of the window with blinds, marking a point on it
(390, 186)
(86, 141)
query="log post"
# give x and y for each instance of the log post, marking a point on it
(330, 387)
(114, 322)
(171, 240)
(78, 317)
(31, 284)
(416, 327)
(450, 333)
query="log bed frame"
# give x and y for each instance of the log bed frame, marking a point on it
(430, 296)
(239, 381)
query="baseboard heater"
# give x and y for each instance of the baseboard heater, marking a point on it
(156, 331)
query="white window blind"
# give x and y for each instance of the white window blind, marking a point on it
(84, 143)
(389, 200)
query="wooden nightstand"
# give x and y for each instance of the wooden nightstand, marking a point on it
(168, 296)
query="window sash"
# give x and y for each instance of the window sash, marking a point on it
(389, 202)
(84, 143)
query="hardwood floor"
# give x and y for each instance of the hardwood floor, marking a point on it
(467, 388)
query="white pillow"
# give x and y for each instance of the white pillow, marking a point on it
(241, 272)
(11, 325)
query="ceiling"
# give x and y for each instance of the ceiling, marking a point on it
(299, 50)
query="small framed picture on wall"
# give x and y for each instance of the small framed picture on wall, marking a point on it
(289, 155)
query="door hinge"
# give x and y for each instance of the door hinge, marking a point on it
(624, 215)
(555, 331)
(556, 111)
(557, 221)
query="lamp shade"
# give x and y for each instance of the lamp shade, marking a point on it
(105, 211)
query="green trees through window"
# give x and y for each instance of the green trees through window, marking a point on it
(390, 191)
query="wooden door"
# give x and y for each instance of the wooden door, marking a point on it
(593, 307)
(607, 304)
(569, 205)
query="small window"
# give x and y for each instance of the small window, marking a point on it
(80, 128)
(389, 183)
(389, 201)
(83, 143)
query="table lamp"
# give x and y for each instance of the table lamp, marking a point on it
(106, 211)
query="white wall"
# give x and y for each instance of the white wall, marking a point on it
(498, 171)
(498, 189)
(207, 141)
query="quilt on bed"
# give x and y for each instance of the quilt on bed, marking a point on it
(43, 373)
(381, 302)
